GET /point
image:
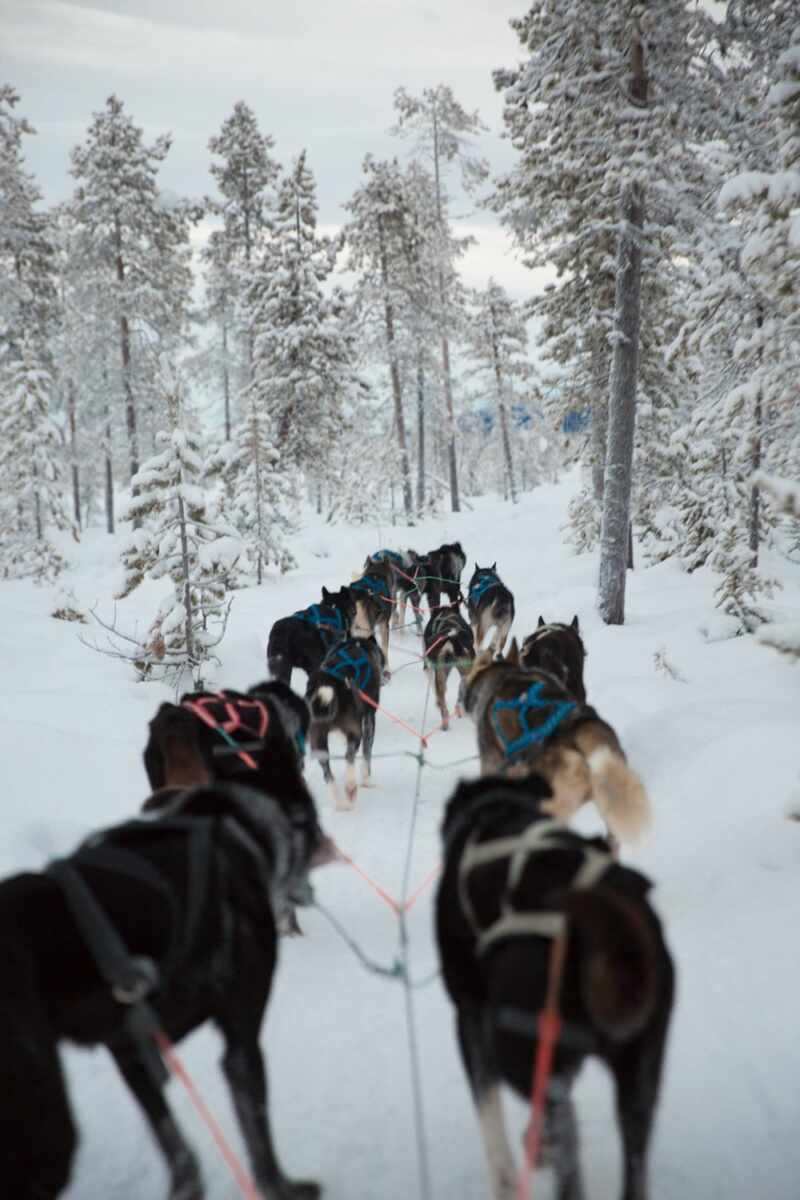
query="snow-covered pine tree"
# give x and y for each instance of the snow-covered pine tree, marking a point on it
(303, 347)
(175, 536)
(246, 176)
(443, 130)
(28, 297)
(31, 496)
(580, 131)
(138, 245)
(260, 495)
(497, 340)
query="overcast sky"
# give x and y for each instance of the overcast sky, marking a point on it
(319, 75)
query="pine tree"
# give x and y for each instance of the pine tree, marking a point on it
(303, 348)
(442, 129)
(497, 339)
(139, 247)
(31, 499)
(581, 128)
(177, 537)
(246, 177)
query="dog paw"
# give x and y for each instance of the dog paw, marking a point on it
(387, 676)
(297, 1189)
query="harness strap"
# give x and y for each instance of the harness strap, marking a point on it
(233, 722)
(373, 584)
(530, 701)
(536, 838)
(130, 978)
(482, 585)
(361, 667)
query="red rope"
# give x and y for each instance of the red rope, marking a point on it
(549, 1028)
(243, 1178)
(376, 887)
(392, 717)
(427, 881)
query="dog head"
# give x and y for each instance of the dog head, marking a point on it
(559, 649)
(345, 601)
(290, 709)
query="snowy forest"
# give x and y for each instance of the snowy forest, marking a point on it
(200, 389)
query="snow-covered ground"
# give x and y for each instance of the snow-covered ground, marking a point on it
(717, 743)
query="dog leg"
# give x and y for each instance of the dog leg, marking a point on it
(185, 1180)
(350, 785)
(368, 736)
(562, 1141)
(477, 1057)
(387, 675)
(441, 696)
(245, 1072)
(319, 750)
(637, 1077)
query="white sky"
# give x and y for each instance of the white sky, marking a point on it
(319, 74)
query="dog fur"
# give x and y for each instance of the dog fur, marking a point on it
(442, 574)
(336, 706)
(217, 967)
(375, 601)
(616, 990)
(448, 644)
(558, 649)
(299, 641)
(581, 759)
(489, 605)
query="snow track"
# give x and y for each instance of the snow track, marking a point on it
(718, 753)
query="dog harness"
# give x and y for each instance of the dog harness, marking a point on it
(372, 584)
(227, 719)
(391, 555)
(485, 581)
(539, 838)
(344, 666)
(530, 701)
(326, 619)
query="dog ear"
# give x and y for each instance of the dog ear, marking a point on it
(620, 966)
(325, 594)
(575, 624)
(540, 622)
(493, 566)
(512, 658)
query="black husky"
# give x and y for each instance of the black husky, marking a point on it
(448, 644)
(187, 901)
(489, 603)
(352, 667)
(512, 881)
(256, 738)
(405, 567)
(303, 639)
(442, 573)
(558, 649)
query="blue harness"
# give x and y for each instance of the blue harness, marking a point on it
(532, 700)
(392, 556)
(322, 617)
(372, 584)
(485, 581)
(344, 666)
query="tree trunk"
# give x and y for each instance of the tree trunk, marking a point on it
(397, 392)
(109, 466)
(420, 435)
(125, 354)
(455, 503)
(73, 452)
(755, 459)
(226, 379)
(187, 589)
(622, 411)
(503, 414)
(599, 420)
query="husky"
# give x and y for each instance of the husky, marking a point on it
(558, 649)
(185, 903)
(512, 880)
(406, 566)
(448, 643)
(374, 592)
(442, 573)
(489, 604)
(527, 720)
(335, 697)
(304, 638)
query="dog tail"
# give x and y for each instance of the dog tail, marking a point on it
(323, 702)
(620, 968)
(619, 794)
